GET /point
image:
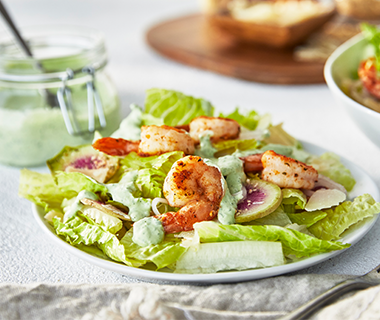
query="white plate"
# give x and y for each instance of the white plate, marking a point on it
(364, 184)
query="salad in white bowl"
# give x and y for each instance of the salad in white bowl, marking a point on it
(352, 75)
(364, 83)
(181, 187)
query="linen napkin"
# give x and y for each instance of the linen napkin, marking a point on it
(264, 299)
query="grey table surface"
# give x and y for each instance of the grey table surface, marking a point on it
(309, 112)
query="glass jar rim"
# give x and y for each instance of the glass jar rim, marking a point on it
(57, 48)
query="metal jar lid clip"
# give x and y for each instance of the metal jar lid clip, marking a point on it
(66, 106)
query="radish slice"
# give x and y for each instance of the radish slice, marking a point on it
(262, 199)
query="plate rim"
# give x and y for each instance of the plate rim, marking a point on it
(220, 277)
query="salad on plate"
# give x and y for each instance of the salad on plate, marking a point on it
(364, 85)
(183, 188)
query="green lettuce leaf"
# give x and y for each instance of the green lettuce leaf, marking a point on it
(41, 189)
(231, 255)
(132, 161)
(307, 218)
(175, 108)
(230, 146)
(293, 199)
(102, 219)
(151, 171)
(76, 181)
(330, 166)
(249, 120)
(343, 216)
(80, 232)
(77, 232)
(165, 161)
(149, 120)
(293, 242)
(277, 218)
(162, 162)
(150, 182)
(277, 135)
(372, 34)
(162, 255)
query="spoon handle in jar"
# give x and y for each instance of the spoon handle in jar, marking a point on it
(14, 29)
(50, 98)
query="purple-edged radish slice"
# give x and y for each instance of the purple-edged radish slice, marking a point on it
(84, 159)
(262, 199)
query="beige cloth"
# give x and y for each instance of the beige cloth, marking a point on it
(262, 299)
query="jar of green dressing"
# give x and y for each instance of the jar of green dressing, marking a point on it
(59, 97)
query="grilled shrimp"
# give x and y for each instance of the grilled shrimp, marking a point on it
(155, 140)
(368, 75)
(223, 128)
(195, 187)
(116, 147)
(287, 172)
(160, 139)
(253, 163)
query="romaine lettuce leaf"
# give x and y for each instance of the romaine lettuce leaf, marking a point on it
(293, 242)
(277, 218)
(102, 219)
(307, 218)
(79, 232)
(372, 34)
(162, 255)
(175, 108)
(292, 198)
(330, 166)
(165, 161)
(150, 182)
(151, 171)
(231, 255)
(277, 135)
(41, 189)
(149, 120)
(228, 147)
(134, 162)
(162, 162)
(249, 120)
(343, 216)
(76, 181)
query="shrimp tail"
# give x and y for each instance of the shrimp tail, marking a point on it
(116, 147)
(253, 163)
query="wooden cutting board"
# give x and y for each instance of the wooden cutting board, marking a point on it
(191, 40)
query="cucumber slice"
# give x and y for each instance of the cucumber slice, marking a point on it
(262, 199)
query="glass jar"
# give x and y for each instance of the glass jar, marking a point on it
(60, 97)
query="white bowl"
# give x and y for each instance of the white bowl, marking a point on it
(341, 65)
